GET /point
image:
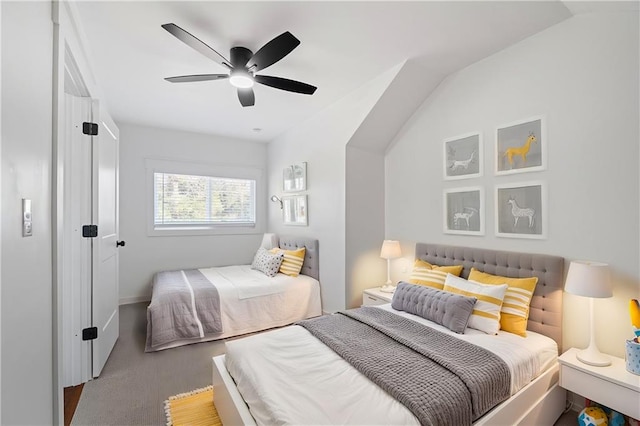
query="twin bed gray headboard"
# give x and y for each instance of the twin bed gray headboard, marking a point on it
(545, 316)
(311, 265)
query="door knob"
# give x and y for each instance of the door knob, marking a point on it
(119, 243)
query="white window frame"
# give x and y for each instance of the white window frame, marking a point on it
(204, 169)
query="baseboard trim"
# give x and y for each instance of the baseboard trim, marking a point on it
(136, 299)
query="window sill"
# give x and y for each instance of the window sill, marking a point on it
(178, 231)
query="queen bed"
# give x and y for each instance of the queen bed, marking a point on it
(294, 375)
(198, 305)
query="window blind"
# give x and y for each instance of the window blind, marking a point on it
(190, 200)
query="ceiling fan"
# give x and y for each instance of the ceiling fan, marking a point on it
(244, 64)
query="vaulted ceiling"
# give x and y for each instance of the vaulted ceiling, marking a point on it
(343, 45)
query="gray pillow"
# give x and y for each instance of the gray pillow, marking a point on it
(266, 262)
(444, 308)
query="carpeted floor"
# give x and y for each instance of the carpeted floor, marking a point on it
(134, 385)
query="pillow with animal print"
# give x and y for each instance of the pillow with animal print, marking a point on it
(266, 262)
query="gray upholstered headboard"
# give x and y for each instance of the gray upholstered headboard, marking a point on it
(311, 265)
(545, 316)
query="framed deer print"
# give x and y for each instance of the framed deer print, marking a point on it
(521, 146)
(464, 211)
(463, 157)
(520, 210)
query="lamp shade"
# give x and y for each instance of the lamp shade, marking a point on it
(269, 241)
(390, 249)
(589, 279)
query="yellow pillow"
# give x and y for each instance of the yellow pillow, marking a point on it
(515, 308)
(429, 275)
(486, 312)
(293, 260)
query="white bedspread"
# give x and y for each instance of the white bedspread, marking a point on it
(248, 282)
(251, 301)
(273, 371)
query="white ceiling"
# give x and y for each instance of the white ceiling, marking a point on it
(343, 45)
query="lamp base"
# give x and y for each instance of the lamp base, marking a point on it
(595, 358)
(388, 288)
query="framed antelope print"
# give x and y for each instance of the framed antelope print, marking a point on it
(520, 210)
(464, 211)
(463, 157)
(521, 147)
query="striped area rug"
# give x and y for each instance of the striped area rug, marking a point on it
(193, 408)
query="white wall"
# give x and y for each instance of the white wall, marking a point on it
(321, 142)
(27, 368)
(144, 255)
(583, 75)
(364, 223)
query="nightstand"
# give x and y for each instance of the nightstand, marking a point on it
(373, 296)
(612, 386)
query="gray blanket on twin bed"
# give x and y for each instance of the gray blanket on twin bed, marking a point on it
(441, 379)
(184, 305)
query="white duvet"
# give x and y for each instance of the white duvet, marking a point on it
(273, 372)
(251, 301)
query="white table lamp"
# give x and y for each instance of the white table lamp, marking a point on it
(390, 250)
(269, 241)
(590, 279)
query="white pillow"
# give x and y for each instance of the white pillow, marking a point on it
(266, 262)
(486, 312)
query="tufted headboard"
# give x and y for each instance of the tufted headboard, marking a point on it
(545, 316)
(311, 265)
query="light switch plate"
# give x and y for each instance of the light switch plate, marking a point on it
(27, 227)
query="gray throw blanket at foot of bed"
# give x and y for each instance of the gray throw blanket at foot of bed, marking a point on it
(184, 305)
(441, 379)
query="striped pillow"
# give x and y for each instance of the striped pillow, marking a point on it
(515, 309)
(429, 275)
(486, 313)
(293, 260)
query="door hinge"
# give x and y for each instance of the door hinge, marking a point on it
(90, 231)
(90, 333)
(90, 129)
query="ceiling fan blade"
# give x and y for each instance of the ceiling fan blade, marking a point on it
(246, 96)
(273, 51)
(285, 84)
(197, 44)
(197, 77)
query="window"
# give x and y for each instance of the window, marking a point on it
(196, 202)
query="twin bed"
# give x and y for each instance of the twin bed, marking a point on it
(191, 306)
(348, 368)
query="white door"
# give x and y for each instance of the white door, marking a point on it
(105, 249)
(76, 250)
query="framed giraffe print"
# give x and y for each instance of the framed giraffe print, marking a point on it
(521, 146)
(521, 210)
(464, 211)
(463, 156)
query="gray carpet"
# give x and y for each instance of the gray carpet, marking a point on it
(133, 385)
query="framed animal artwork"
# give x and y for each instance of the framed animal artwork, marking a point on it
(294, 210)
(463, 156)
(294, 178)
(521, 210)
(521, 146)
(464, 211)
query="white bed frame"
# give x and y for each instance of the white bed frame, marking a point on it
(541, 402)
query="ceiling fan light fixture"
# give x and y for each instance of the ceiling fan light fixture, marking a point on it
(241, 79)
